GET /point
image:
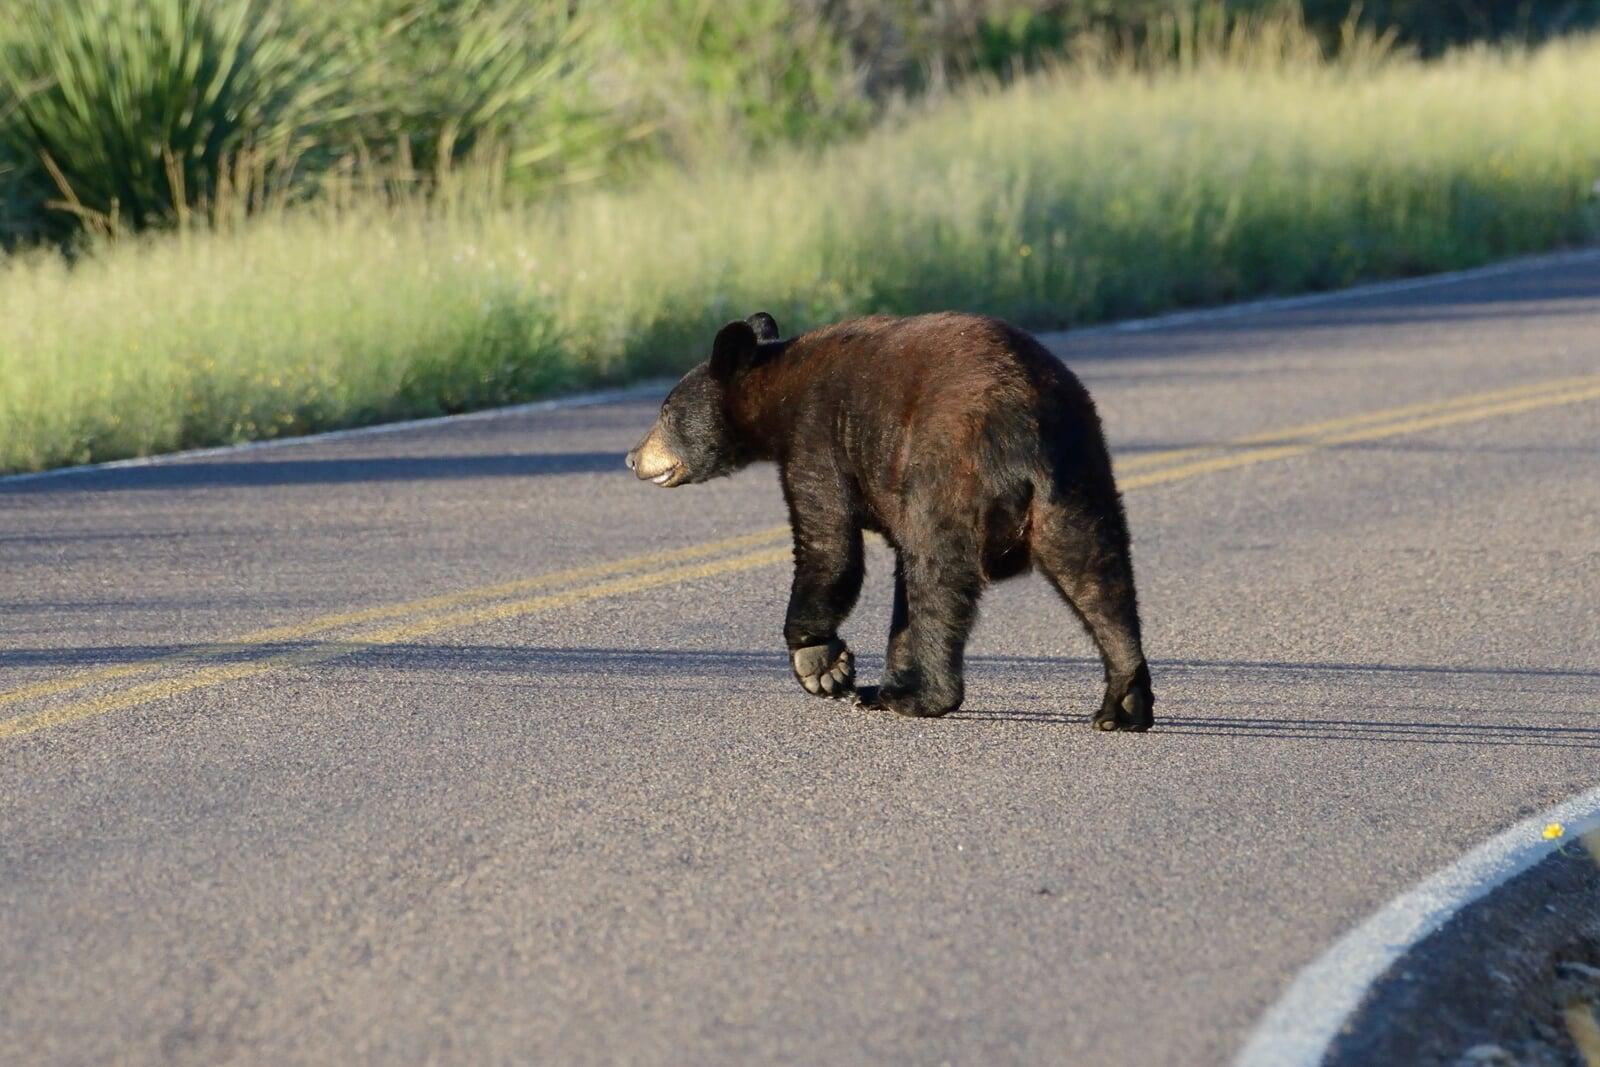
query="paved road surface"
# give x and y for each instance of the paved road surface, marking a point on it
(474, 782)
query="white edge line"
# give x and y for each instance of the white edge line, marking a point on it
(1332, 296)
(644, 389)
(1298, 1030)
(640, 390)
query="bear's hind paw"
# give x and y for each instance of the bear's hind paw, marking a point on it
(1133, 713)
(868, 699)
(884, 698)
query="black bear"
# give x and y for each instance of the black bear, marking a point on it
(960, 439)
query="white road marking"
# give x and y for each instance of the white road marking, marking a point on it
(640, 391)
(1333, 296)
(1298, 1030)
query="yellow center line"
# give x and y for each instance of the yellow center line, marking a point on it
(749, 555)
(1372, 433)
(1291, 434)
(1584, 1029)
(1511, 407)
(1284, 438)
(212, 676)
(324, 623)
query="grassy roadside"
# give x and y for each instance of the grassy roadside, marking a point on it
(1064, 199)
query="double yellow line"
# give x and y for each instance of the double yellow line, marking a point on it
(1178, 464)
(418, 619)
(260, 652)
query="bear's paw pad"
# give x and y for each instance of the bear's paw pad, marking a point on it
(826, 670)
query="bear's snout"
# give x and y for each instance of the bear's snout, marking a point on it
(653, 461)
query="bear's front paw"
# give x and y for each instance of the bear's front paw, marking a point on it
(827, 670)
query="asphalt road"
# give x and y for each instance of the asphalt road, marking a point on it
(392, 749)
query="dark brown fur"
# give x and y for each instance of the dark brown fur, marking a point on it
(960, 439)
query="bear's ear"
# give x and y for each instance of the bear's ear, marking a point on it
(765, 326)
(734, 348)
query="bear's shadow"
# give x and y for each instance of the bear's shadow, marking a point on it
(1359, 711)
(1350, 717)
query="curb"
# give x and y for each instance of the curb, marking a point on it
(1300, 1028)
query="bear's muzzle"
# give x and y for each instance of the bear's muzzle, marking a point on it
(654, 462)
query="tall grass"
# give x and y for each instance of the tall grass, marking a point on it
(1094, 192)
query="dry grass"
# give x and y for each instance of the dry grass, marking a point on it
(1064, 199)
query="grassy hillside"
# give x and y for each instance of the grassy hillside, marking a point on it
(1065, 198)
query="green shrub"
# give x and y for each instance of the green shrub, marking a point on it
(126, 114)
(756, 73)
(455, 81)
(904, 45)
(1433, 25)
(131, 112)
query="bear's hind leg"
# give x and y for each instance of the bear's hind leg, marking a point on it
(896, 663)
(1085, 555)
(935, 605)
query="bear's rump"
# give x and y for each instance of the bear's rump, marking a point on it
(1006, 536)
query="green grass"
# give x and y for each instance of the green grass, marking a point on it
(1063, 199)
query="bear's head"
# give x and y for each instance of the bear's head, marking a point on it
(694, 438)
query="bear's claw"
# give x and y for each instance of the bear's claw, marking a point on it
(868, 698)
(827, 670)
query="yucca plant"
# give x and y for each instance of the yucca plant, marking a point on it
(131, 113)
(509, 85)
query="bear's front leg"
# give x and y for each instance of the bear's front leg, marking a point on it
(826, 670)
(828, 568)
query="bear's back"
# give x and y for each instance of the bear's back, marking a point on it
(942, 362)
